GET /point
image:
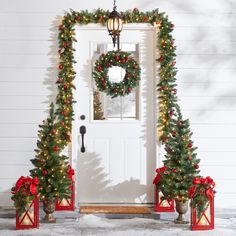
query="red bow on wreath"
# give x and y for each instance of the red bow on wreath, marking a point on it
(158, 176)
(70, 172)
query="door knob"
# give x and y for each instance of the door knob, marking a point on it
(82, 132)
(82, 117)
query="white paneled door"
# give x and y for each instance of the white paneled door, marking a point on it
(119, 161)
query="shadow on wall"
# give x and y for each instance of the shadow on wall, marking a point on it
(149, 95)
(94, 185)
(52, 71)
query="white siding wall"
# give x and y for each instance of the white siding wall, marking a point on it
(205, 35)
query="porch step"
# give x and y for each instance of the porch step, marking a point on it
(114, 210)
(7, 212)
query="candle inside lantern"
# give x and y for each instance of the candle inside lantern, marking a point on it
(205, 216)
(203, 221)
(28, 219)
(65, 202)
(165, 203)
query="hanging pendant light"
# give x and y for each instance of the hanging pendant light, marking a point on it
(114, 26)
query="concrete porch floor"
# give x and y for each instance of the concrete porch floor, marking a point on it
(73, 223)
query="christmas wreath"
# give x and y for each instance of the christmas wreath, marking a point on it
(123, 60)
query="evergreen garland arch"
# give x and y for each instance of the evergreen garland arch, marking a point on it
(170, 119)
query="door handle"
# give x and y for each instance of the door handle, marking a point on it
(82, 132)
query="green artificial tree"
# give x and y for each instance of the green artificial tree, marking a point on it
(50, 166)
(181, 161)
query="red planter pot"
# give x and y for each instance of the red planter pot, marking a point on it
(30, 218)
(67, 204)
(162, 205)
(204, 221)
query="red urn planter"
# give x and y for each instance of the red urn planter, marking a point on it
(203, 220)
(67, 204)
(30, 218)
(163, 205)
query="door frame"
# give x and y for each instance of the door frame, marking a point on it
(74, 146)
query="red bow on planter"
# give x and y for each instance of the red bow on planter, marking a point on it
(158, 176)
(70, 172)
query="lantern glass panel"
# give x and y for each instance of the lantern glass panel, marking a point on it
(120, 24)
(204, 217)
(29, 219)
(110, 24)
(114, 25)
(163, 202)
(65, 202)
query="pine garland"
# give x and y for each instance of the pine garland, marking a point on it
(167, 92)
(166, 86)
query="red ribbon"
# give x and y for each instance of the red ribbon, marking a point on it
(192, 191)
(29, 184)
(70, 172)
(158, 176)
(196, 180)
(160, 170)
(210, 193)
(19, 183)
(207, 183)
(33, 186)
(210, 181)
(157, 179)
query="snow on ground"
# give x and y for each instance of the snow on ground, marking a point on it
(91, 225)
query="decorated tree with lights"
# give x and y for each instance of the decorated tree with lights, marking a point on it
(181, 163)
(50, 166)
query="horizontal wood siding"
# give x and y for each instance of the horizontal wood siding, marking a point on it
(205, 36)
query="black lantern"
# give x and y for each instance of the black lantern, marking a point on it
(114, 26)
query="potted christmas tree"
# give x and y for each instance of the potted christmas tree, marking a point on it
(50, 166)
(181, 165)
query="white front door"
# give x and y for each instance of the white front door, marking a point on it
(119, 161)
